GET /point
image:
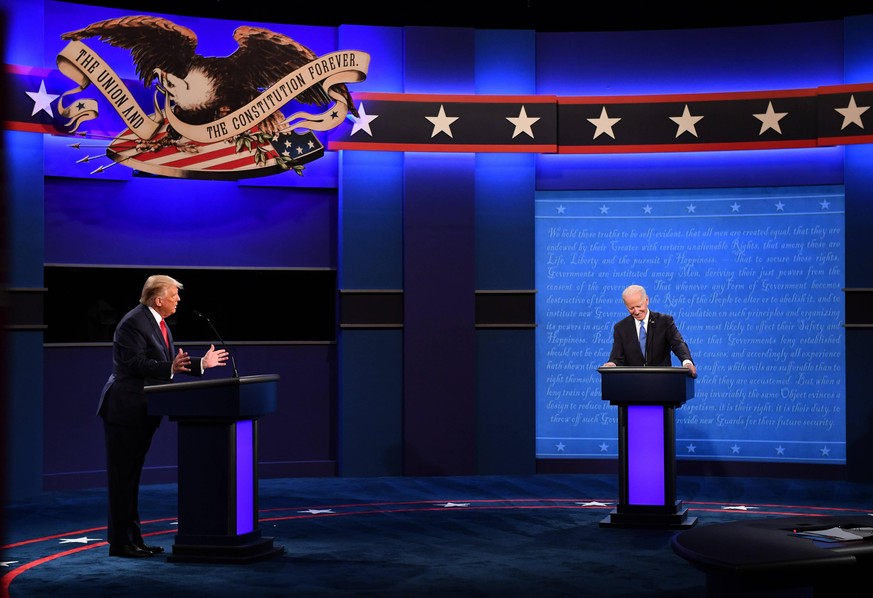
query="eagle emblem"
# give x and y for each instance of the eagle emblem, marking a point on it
(228, 110)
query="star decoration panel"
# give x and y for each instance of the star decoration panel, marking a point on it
(545, 124)
(398, 122)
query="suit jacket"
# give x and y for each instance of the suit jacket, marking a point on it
(140, 358)
(662, 340)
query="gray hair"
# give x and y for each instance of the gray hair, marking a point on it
(633, 290)
(157, 286)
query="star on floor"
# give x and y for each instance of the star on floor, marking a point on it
(593, 503)
(43, 100)
(82, 540)
(317, 511)
(739, 508)
(7, 563)
(453, 504)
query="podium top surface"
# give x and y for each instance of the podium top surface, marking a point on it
(646, 385)
(212, 383)
(643, 369)
(228, 398)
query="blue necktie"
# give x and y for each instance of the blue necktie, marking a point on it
(643, 339)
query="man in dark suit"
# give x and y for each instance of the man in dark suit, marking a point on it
(143, 354)
(660, 336)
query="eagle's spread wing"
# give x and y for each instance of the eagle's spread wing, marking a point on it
(154, 43)
(264, 57)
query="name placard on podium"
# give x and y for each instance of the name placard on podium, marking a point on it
(218, 466)
(646, 398)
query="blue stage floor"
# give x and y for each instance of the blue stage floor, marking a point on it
(483, 536)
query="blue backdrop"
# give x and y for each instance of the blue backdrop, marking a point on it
(754, 278)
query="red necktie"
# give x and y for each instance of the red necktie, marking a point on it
(165, 333)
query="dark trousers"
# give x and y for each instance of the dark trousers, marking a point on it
(126, 448)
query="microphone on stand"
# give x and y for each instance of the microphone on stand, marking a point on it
(223, 344)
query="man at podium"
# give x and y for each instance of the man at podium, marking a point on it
(143, 354)
(646, 337)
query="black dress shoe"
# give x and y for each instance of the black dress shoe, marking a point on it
(129, 551)
(151, 549)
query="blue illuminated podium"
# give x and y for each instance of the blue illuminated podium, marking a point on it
(218, 466)
(647, 398)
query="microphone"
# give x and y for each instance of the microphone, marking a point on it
(223, 344)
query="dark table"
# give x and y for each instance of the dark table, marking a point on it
(761, 557)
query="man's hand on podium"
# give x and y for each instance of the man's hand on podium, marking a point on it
(691, 368)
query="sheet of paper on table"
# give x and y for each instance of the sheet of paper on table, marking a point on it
(837, 534)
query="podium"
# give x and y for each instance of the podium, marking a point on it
(647, 398)
(218, 466)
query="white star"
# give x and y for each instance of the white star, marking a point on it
(362, 121)
(453, 504)
(647, 209)
(441, 122)
(42, 100)
(780, 450)
(770, 119)
(560, 446)
(603, 124)
(561, 209)
(604, 209)
(686, 122)
(780, 207)
(7, 563)
(593, 503)
(735, 450)
(604, 447)
(852, 113)
(691, 448)
(691, 208)
(739, 508)
(735, 207)
(82, 540)
(523, 123)
(825, 452)
(317, 511)
(825, 204)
